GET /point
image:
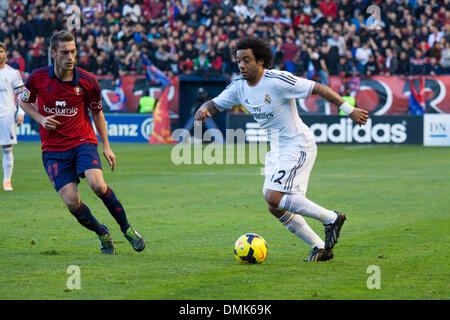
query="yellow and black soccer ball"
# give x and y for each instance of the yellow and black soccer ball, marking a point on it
(250, 248)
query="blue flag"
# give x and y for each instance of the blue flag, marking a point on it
(414, 106)
(153, 73)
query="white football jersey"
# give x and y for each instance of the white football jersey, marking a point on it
(272, 103)
(10, 82)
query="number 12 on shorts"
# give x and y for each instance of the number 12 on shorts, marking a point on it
(280, 175)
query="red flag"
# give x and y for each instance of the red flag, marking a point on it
(161, 122)
(419, 96)
(417, 99)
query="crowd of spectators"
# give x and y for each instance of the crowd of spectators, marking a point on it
(309, 38)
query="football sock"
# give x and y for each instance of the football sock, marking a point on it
(115, 208)
(301, 205)
(87, 220)
(296, 224)
(8, 164)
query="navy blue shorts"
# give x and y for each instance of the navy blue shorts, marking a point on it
(64, 167)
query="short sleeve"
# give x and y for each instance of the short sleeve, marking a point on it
(29, 93)
(228, 98)
(293, 87)
(18, 82)
(94, 96)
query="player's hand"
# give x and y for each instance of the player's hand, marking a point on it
(202, 114)
(360, 116)
(110, 157)
(19, 119)
(50, 123)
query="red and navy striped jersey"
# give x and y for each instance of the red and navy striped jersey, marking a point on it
(70, 101)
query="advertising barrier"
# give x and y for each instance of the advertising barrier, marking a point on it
(337, 129)
(436, 130)
(133, 88)
(378, 94)
(429, 130)
(386, 95)
(132, 128)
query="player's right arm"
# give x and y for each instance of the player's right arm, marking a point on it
(207, 110)
(26, 100)
(49, 123)
(224, 101)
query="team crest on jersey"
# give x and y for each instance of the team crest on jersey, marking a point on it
(77, 90)
(267, 99)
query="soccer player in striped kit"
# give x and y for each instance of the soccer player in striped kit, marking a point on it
(10, 84)
(65, 94)
(269, 95)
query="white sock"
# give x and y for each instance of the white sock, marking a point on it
(8, 164)
(296, 224)
(301, 205)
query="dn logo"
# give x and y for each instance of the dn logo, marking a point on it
(438, 129)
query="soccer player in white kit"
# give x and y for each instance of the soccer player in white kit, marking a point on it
(269, 95)
(10, 84)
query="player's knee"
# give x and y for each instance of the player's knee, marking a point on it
(96, 182)
(275, 211)
(99, 188)
(273, 198)
(70, 197)
(73, 204)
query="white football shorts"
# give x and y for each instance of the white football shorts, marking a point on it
(288, 171)
(8, 130)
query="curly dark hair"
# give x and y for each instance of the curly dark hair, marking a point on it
(260, 48)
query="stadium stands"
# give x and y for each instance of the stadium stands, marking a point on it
(309, 38)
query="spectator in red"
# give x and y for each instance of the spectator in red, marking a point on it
(301, 18)
(17, 61)
(156, 8)
(216, 61)
(37, 45)
(222, 36)
(423, 45)
(417, 63)
(290, 51)
(328, 8)
(186, 66)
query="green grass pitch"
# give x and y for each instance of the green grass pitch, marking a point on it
(397, 199)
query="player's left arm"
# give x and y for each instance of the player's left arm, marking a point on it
(18, 88)
(100, 125)
(358, 115)
(20, 113)
(94, 103)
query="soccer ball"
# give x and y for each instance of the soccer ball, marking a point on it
(250, 248)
